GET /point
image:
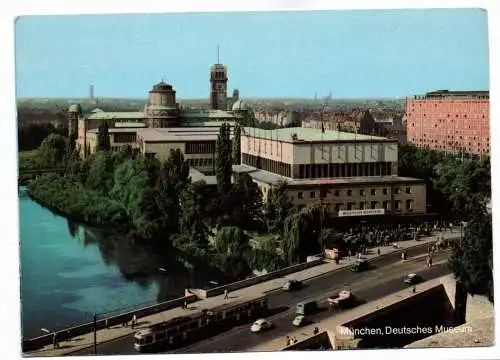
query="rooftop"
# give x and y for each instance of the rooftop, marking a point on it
(104, 115)
(271, 178)
(305, 135)
(196, 175)
(131, 130)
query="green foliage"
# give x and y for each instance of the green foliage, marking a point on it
(230, 240)
(223, 162)
(237, 145)
(277, 208)
(471, 256)
(453, 183)
(103, 139)
(52, 150)
(82, 204)
(194, 228)
(302, 233)
(100, 176)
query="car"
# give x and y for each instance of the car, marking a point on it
(360, 265)
(413, 279)
(261, 325)
(299, 320)
(292, 284)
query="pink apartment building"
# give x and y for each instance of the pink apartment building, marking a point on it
(452, 121)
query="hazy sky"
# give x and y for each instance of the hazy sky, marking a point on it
(276, 54)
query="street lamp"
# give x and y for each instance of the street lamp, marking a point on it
(95, 333)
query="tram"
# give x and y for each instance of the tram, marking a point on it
(182, 331)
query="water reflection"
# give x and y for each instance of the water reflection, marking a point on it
(143, 264)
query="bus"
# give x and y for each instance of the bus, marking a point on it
(182, 331)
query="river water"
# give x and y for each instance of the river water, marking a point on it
(68, 272)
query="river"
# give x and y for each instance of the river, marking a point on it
(68, 272)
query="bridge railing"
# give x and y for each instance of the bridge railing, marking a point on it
(65, 334)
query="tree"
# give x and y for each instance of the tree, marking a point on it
(223, 162)
(302, 233)
(103, 139)
(237, 145)
(471, 263)
(193, 225)
(277, 208)
(231, 241)
(101, 170)
(53, 150)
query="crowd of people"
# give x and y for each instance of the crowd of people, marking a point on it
(364, 235)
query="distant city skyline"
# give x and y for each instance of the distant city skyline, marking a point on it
(350, 54)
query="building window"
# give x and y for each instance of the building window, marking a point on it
(384, 191)
(397, 205)
(362, 205)
(373, 191)
(313, 194)
(374, 205)
(361, 192)
(300, 195)
(337, 192)
(408, 190)
(396, 191)
(337, 207)
(349, 192)
(385, 205)
(409, 204)
(322, 194)
(349, 206)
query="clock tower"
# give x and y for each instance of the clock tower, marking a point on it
(218, 85)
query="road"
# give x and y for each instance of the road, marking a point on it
(384, 277)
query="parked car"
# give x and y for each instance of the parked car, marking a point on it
(292, 284)
(413, 279)
(261, 325)
(360, 265)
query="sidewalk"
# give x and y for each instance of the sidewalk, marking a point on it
(115, 332)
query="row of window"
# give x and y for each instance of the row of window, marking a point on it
(363, 205)
(312, 171)
(200, 147)
(362, 192)
(276, 167)
(200, 162)
(124, 138)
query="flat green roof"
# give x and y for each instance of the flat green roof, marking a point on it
(309, 135)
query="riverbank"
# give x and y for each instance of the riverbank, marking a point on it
(69, 199)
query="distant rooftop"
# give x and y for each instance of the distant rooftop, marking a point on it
(440, 94)
(305, 135)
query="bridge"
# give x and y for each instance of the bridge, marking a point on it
(57, 170)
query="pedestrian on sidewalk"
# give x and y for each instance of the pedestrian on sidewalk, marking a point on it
(378, 251)
(414, 289)
(185, 305)
(106, 323)
(316, 330)
(226, 294)
(288, 341)
(134, 321)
